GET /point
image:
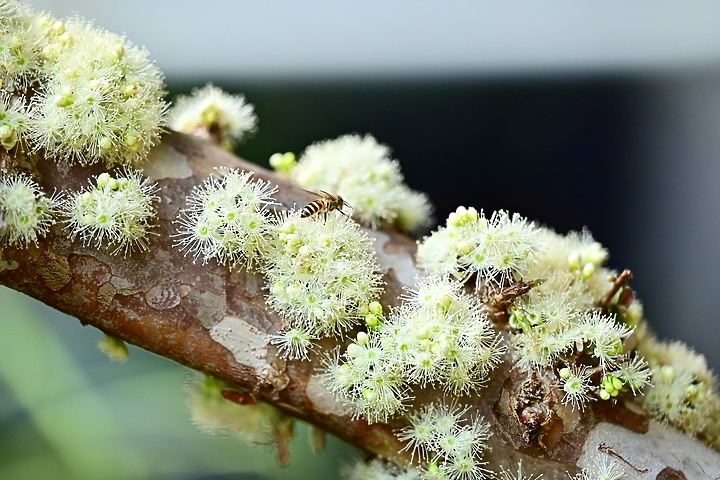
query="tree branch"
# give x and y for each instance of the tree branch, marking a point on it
(162, 302)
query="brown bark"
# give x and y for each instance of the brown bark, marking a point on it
(162, 302)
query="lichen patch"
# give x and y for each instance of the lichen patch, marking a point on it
(54, 270)
(166, 162)
(399, 260)
(324, 400)
(645, 456)
(249, 346)
(163, 296)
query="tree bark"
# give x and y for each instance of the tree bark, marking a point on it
(164, 303)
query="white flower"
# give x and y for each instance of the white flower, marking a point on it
(115, 210)
(209, 111)
(226, 218)
(13, 120)
(101, 99)
(25, 212)
(361, 171)
(293, 343)
(496, 249)
(575, 386)
(320, 272)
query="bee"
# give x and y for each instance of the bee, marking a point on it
(326, 203)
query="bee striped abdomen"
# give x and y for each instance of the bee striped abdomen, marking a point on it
(314, 207)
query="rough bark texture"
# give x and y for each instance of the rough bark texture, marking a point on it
(162, 302)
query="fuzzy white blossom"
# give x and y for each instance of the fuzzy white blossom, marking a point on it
(684, 390)
(227, 218)
(95, 96)
(448, 445)
(22, 39)
(26, 213)
(496, 249)
(114, 211)
(293, 343)
(575, 386)
(102, 100)
(377, 469)
(319, 272)
(361, 171)
(210, 110)
(602, 469)
(438, 336)
(14, 119)
(572, 264)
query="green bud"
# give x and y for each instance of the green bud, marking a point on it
(465, 247)
(105, 143)
(574, 261)
(370, 395)
(6, 131)
(667, 373)
(372, 321)
(131, 140)
(130, 90)
(283, 162)
(102, 180)
(617, 383)
(62, 101)
(376, 308)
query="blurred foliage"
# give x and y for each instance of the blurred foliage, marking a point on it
(68, 412)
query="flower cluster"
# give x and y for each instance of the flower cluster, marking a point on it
(570, 265)
(449, 447)
(684, 391)
(22, 39)
(319, 272)
(96, 97)
(495, 250)
(227, 219)
(545, 337)
(558, 320)
(362, 172)
(438, 336)
(115, 210)
(25, 212)
(253, 422)
(211, 111)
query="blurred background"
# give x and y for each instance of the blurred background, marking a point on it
(602, 115)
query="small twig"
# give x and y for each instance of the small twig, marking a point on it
(604, 448)
(499, 301)
(619, 283)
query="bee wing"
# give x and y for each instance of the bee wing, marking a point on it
(311, 192)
